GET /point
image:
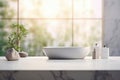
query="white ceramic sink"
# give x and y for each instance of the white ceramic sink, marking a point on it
(66, 52)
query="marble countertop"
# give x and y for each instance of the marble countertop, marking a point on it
(43, 63)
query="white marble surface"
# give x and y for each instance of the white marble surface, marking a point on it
(111, 26)
(43, 63)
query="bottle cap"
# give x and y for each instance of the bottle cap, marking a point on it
(104, 46)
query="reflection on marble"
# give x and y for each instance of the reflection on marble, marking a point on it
(112, 26)
(59, 75)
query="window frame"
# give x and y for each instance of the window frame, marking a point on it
(72, 19)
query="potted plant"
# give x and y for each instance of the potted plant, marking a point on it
(14, 40)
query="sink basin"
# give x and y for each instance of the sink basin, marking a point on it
(66, 52)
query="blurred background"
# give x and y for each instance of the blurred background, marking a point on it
(52, 23)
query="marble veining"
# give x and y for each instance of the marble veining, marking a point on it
(112, 9)
(58, 75)
(112, 26)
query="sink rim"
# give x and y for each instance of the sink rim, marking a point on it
(63, 55)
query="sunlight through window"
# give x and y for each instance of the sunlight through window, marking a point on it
(56, 22)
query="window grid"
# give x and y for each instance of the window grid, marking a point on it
(72, 19)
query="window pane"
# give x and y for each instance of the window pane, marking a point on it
(45, 8)
(87, 32)
(87, 8)
(46, 33)
(5, 30)
(8, 9)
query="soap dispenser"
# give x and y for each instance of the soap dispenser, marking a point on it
(96, 52)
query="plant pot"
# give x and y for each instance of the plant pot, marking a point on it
(12, 55)
(23, 54)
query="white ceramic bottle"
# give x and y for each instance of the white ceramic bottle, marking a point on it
(104, 52)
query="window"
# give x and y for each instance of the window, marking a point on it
(56, 22)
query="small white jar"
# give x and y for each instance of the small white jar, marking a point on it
(104, 53)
